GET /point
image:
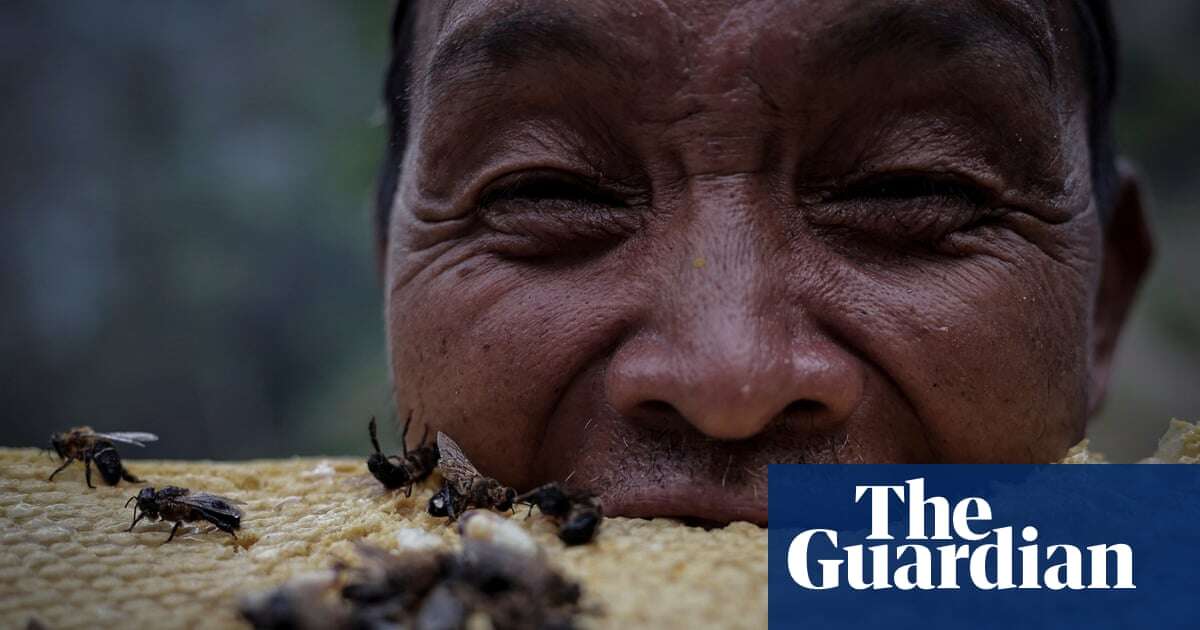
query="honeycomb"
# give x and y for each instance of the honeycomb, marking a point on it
(67, 561)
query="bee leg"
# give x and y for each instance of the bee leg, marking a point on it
(530, 512)
(60, 468)
(135, 521)
(174, 529)
(223, 528)
(408, 491)
(87, 469)
(128, 476)
(374, 436)
(404, 435)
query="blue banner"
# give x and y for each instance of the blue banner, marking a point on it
(984, 546)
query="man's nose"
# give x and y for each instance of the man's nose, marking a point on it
(731, 377)
(734, 340)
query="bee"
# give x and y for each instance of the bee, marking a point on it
(447, 501)
(180, 504)
(465, 486)
(402, 579)
(84, 444)
(302, 603)
(499, 577)
(414, 466)
(578, 511)
(508, 579)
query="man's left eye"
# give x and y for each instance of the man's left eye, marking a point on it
(915, 186)
(541, 214)
(901, 207)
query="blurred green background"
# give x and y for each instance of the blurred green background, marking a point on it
(185, 238)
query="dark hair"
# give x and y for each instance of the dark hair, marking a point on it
(396, 98)
(1093, 19)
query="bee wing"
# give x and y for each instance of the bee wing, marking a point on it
(456, 468)
(137, 438)
(211, 504)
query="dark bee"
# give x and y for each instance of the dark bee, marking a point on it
(402, 581)
(578, 511)
(501, 581)
(84, 444)
(465, 486)
(515, 589)
(447, 502)
(300, 604)
(180, 504)
(414, 466)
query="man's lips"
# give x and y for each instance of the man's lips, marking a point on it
(647, 474)
(700, 501)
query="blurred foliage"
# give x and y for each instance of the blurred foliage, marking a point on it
(187, 235)
(1158, 126)
(186, 243)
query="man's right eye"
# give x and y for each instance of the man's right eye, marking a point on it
(541, 214)
(543, 187)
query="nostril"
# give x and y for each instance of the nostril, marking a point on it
(803, 408)
(657, 408)
(810, 415)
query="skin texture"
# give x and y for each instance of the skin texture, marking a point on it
(654, 245)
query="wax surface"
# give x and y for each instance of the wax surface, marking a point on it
(66, 559)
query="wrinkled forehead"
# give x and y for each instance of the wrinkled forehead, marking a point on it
(715, 41)
(624, 70)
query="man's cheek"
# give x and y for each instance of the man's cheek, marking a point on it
(987, 353)
(486, 355)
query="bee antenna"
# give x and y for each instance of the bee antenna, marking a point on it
(404, 433)
(374, 435)
(131, 500)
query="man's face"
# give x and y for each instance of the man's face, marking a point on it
(653, 246)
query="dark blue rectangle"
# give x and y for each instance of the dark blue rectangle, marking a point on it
(1152, 509)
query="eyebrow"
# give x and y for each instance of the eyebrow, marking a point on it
(506, 41)
(944, 31)
(481, 45)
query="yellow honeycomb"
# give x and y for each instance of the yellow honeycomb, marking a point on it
(67, 561)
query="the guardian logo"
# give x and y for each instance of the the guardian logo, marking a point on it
(983, 558)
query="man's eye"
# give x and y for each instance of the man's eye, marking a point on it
(900, 210)
(908, 187)
(540, 215)
(545, 187)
